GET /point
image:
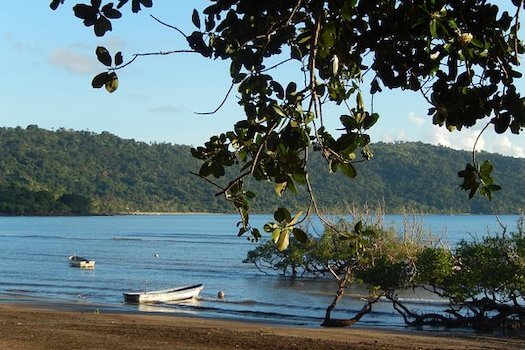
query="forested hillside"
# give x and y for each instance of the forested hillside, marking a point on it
(74, 172)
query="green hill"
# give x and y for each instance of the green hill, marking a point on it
(73, 172)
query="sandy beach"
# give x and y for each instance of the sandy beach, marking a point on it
(33, 327)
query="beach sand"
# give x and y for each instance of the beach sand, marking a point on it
(25, 327)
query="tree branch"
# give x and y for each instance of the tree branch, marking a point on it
(169, 26)
(221, 104)
(158, 53)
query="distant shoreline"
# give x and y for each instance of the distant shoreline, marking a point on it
(162, 213)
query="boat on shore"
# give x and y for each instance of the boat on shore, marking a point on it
(171, 294)
(81, 262)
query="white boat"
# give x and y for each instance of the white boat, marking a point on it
(83, 263)
(179, 293)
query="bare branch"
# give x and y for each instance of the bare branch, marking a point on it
(169, 26)
(476, 142)
(207, 180)
(158, 53)
(276, 65)
(220, 105)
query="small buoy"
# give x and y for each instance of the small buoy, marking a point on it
(156, 255)
(220, 295)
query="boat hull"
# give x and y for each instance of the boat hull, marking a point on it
(80, 262)
(173, 294)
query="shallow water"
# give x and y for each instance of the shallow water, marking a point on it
(155, 252)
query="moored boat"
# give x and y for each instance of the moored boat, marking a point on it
(172, 294)
(81, 262)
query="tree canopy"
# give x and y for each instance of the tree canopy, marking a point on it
(462, 56)
(480, 283)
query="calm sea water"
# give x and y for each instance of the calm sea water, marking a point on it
(155, 252)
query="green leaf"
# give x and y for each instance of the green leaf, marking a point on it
(501, 123)
(100, 80)
(358, 227)
(280, 188)
(276, 234)
(103, 56)
(299, 177)
(118, 59)
(242, 230)
(359, 101)
(349, 122)
(300, 235)
(485, 169)
(54, 4)
(291, 88)
(282, 215)
(88, 13)
(369, 233)
(102, 25)
(433, 28)
(195, 19)
(110, 12)
(348, 169)
(250, 194)
(269, 227)
(279, 110)
(477, 43)
(370, 120)
(112, 83)
(256, 234)
(284, 240)
(291, 186)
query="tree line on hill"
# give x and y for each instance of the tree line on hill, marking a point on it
(79, 172)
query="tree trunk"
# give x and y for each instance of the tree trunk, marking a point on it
(328, 322)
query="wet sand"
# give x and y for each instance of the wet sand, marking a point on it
(33, 327)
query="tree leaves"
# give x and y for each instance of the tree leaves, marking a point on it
(103, 56)
(136, 4)
(112, 83)
(286, 225)
(93, 15)
(55, 3)
(196, 19)
(463, 62)
(475, 179)
(107, 79)
(100, 16)
(100, 80)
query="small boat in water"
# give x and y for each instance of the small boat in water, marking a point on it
(173, 294)
(83, 263)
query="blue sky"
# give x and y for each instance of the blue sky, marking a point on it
(48, 61)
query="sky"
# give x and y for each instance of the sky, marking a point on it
(48, 61)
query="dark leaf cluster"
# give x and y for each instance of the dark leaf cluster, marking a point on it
(100, 15)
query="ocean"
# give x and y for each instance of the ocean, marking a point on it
(148, 252)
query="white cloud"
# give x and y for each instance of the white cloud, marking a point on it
(416, 120)
(461, 140)
(167, 109)
(489, 141)
(73, 62)
(398, 135)
(503, 145)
